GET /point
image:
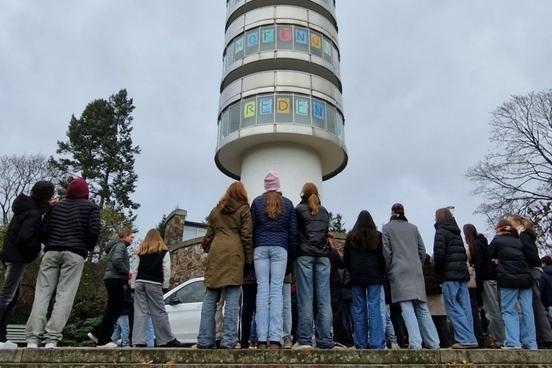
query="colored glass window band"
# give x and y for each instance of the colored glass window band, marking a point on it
(283, 108)
(281, 37)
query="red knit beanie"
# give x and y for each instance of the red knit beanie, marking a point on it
(77, 189)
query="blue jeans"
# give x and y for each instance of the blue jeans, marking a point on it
(150, 333)
(207, 326)
(313, 278)
(519, 333)
(419, 325)
(457, 304)
(286, 294)
(367, 317)
(270, 268)
(121, 331)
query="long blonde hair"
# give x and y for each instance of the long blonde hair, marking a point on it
(153, 243)
(274, 205)
(310, 192)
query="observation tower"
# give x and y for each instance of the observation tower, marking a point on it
(281, 105)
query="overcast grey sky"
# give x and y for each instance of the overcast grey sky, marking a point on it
(420, 79)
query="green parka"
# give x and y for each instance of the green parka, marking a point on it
(232, 245)
(117, 260)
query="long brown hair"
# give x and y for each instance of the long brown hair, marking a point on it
(310, 193)
(274, 204)
(153, 243)
(236, 191)
(365, 234)
(470, 233)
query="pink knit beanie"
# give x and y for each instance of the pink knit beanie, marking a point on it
(272, 182)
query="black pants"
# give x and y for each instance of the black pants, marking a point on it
(248, 308)
(114, 308)
(9, 294)
(477, 327)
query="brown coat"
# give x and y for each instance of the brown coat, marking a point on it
(232, 245)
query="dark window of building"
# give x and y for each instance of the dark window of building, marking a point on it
(268, 38)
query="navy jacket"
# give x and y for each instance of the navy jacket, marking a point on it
(281, 231)
(545, 286)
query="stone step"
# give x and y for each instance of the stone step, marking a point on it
(176, 358)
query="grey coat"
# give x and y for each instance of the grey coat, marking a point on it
(404, 252)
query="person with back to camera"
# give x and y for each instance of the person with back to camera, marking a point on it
(363, 258)
(21, 247)
(451, 267)
(404, 252)
(485, 273)
(274, 235)
(71, 230)
(229, 257)
(312, 271)
(115, 280)
(514, 280)
(528, 237)
(149, 278)
(545, 285)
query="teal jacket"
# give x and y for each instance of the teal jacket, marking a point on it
(117, 260)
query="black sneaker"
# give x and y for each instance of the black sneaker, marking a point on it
(174, 343)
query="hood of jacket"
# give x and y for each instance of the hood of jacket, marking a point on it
(23, 203)
(449, 224)
(232, 206)
(112, 243)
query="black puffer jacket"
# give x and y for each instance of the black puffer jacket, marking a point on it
(512, 270)
(313, 231)
(485, 268)
(530, 251)
(73, 225)
(22, 241)
(367, 267)
(449, 254)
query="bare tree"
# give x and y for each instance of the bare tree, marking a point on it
(517, 176)
(17, 175)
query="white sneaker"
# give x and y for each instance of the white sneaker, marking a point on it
(395, 346)
(51, 345)
(92, 337)
(298, 346)
(32, 345)
(8, 345)
(109, 345)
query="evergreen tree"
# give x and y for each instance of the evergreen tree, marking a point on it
(99, 147)
(336, 223)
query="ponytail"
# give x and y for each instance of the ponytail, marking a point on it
(310, 193)
(314, 204)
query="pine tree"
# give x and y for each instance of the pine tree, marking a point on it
(99, 147)
(336, 223)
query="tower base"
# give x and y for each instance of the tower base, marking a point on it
(295, 165)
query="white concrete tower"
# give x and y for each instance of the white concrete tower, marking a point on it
(281, 106)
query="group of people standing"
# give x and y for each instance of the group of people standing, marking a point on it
(263, 254)
(264, 247)
(69, 229)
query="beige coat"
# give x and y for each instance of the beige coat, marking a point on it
(232, 245)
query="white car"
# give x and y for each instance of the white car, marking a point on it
(183, 305)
